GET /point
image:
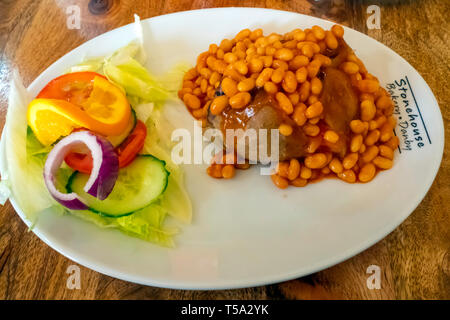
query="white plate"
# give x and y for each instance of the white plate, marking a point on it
(245, 232)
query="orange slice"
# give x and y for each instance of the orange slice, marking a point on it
(105, 111)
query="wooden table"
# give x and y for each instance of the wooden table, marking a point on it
(414, 259)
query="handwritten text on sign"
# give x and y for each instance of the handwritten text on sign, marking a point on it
(411, 128)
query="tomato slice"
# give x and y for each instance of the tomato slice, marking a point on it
(126, 151)
(73, 87)
(134, 143)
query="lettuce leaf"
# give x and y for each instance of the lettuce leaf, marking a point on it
(24, 169)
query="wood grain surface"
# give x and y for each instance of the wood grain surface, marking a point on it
(414, 259)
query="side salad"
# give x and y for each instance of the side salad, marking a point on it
(96, 147)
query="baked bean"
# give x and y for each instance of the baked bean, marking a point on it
(314, 46)
(299, 182)
(305, 173)
(255, 34)
(226, 45)
(255, 65)
(386, 132)
(349, 67)
(299, 35)
(318, 32)
(282, 169)
(367, 172)
(313, 144)
(229, 86)
(298, 62)
(228, 171)
(219, 104)
(304, 91)
(284, 54)
(219, 66)
(369, 86)
(294, 97)
(347, 176)
(197, 113)
(240, 100)
(311, 130)
(191, 101)
(261, 42)
(324, 60)
(230, 57)
(260, 51)
(368, 110)
(314, 120)
(215, 171)
(362, 149)
(336, 166)
(307, 51)
(190, 74)
(356, 143)
(285, 129)
(214, 78)
(386, 152)
(299, 114)
(277, 45)
(220, 54)
(204, 85)
(294, 169)
(263, 77)
(384, 102)
(289, 83)
(357, 126)
(331, 40)
(366, 96)
(280, 182)
(284, 102)
(316, 161)
(382, 163)
(270, 87)
(310, 37)
(370, 154)
(350, 160)
(372, 137)
(280, 64)
(246, 84)
(241, 67)
(313, 68)
(301, 74)
(393, 142)
(278, 75)
(331, 136)
(314, 110)
(338, 31)
(231, 72)
(316, 86)
(312, 99)
(267, 60)
(197, 91)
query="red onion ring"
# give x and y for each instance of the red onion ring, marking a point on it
(105, 168)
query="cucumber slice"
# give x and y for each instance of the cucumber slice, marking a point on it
(138, 185)
(117, 140)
